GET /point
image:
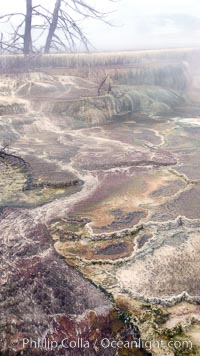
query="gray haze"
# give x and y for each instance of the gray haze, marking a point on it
(137, 24)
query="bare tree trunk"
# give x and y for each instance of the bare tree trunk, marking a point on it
(28, 24)
(101, 85)
(53, 26)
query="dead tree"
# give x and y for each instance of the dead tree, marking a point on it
(64, 31)
(28, 27)
(102, 81)
(53, 26)
(60, 29)
(20, 38)
(101, 85)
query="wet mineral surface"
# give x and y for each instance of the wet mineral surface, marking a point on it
(100, 221)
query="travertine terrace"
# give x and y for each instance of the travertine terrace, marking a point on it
(99, 198)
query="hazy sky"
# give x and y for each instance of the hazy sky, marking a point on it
(138, 24)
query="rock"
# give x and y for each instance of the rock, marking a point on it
(41, 297)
